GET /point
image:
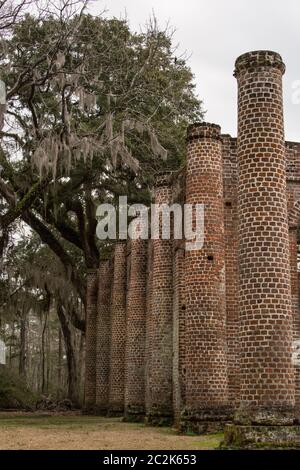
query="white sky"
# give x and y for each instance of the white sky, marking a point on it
(215, 33)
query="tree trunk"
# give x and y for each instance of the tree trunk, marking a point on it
(59, 364)
(73, 392)
(48, 349)
(11, 344)
(23, 341)
(43, 354)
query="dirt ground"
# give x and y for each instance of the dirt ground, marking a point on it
(37, 431)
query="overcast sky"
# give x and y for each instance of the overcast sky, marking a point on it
(215, 33)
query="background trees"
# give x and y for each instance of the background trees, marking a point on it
(93, 111)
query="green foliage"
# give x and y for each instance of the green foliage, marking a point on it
(83, 80)
(14, 392)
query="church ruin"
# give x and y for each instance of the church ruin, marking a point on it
(206, 337)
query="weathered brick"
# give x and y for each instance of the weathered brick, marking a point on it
(206, 387)
(136, 333)
(90, 341)
(212, 329)
(159, 408)
(103, 336)
(265, 334)
(118, 332)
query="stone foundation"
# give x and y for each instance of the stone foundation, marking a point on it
(261, 437)
(160, 417)
(205, 421)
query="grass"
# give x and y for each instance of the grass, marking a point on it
(45, 421)
(209, 442)
(81, 425)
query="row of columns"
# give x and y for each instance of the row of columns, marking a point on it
(130, 352)
(268, 380)
(174, 355)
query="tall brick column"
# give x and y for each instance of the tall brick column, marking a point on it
(136, 333)
(160, 410)
(231, 267)
(118, 332)
(148, 347)
(90, 341)
(103, 337)
(267, 380)
(205, 321)
(266, 323)
(179, 338)
(293, 237)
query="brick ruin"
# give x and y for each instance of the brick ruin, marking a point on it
(205, 337)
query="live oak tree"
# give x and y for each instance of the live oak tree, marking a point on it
(93, 111)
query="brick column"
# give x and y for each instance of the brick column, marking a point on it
(293, 237)
(267, 383)
(135, 333)
(231, 267)
(178, 330)
(205, 323)
(148, 348)
(118, 332)
(103, 337)
(267, 380)
(160, 387)
(90, 341)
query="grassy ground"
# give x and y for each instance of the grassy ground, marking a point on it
(71, 431)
